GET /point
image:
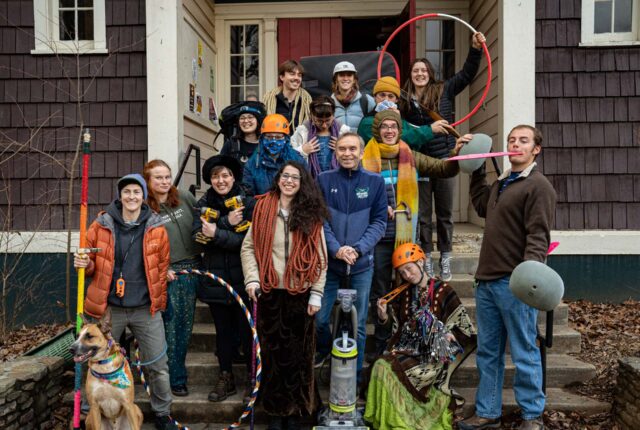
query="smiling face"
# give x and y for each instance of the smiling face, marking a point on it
(345, 81)
(291, 80)
(411, 272)
(420, 74)
(522, 140)
(132, 197)
(90, 343)
(389, 132)
(289, 182)
(322, 124)
(248, 123)
(222, 180)
(348, 152)
(159, 180)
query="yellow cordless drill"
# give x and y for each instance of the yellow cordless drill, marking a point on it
(234, 203)
(209, 215)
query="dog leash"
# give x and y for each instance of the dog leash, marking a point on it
(256, 342)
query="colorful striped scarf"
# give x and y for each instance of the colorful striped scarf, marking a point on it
(406, 187)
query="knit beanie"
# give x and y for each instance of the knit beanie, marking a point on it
(387, 84)
(132, 178)
(381, 116)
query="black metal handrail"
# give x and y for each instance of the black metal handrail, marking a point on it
(183, 165)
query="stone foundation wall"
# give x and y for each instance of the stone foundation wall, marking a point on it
(29, 392)
(626, 404)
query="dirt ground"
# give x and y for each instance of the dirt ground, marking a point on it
(609, 332)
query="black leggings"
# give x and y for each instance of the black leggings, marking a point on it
(231, 325)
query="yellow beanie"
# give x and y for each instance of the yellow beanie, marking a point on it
(388, 84)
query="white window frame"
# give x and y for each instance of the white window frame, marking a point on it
(47, 32)
(589, 38)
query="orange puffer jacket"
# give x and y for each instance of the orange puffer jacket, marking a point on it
(155, 247)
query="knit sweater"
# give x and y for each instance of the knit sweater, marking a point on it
(280, 253)
(517, 221)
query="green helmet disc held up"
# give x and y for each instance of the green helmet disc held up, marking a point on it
(537, 285)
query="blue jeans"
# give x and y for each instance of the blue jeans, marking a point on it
(500, 313)
(361, 282)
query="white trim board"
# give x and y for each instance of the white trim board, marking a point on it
(583, 242)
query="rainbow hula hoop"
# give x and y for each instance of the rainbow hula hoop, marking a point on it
(466, 24)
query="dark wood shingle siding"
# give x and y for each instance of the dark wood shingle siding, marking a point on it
(39, 111)
(588, 108)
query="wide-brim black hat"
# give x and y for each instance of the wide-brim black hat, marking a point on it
(221, 160)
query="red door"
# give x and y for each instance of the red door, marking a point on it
(301, 37)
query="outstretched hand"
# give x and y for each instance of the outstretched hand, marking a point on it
(462, 140)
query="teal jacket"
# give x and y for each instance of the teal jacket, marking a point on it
(414, 136)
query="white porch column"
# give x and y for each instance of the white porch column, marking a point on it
(517, 42)
(164, 121)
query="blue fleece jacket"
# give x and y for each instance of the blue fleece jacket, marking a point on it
(357, 202)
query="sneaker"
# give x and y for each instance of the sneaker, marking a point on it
(428, 267)
(445, 266)
(180, 390)
(478, 423)
(224, 388)
(320, 359)
(535, 424)
(166, 423)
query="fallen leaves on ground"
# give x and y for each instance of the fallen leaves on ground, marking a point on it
(20, 341)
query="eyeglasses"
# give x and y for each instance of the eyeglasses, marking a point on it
(384, 127)
(247, 118)
(286, 177)
(323, 121)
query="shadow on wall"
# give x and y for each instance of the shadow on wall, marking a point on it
(599, 278)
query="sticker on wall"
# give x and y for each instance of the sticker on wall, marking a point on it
(212, 83)
(213, 115)
(192, 97)
(200, 57)
(198, 104)
(194, 71)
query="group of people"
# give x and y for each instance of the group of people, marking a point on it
(305, 193)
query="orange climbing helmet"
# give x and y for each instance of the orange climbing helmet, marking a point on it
(275, 123)
(407, 253)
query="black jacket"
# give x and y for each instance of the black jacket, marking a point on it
(441, 145)
(222, 253)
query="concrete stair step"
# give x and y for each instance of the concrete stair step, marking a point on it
(195, 408)
(565, 339)
(562, 370)
(560, 314)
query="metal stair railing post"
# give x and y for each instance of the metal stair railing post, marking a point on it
(183, 165)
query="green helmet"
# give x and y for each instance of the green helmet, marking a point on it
(537, 285)
(480, 144)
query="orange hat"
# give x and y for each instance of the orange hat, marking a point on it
(275, 123)
(406, 253)
(388, 84)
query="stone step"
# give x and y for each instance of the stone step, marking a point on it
(565, 339)
(562, 370)
(197, 409)
(560, 314)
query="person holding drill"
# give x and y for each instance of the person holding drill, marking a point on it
(219, 229)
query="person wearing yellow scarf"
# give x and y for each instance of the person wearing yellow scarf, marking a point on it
(390, 156)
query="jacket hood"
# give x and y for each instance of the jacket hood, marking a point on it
(115, 212)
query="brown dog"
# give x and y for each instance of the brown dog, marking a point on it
(109, 385)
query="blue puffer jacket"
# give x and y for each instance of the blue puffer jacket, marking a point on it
(352, 114)
(260, 170)
(357, 202)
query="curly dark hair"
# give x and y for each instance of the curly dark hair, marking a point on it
(308, 206)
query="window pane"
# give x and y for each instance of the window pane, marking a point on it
(253, 70)
(253, 40)
(434, 59)
(602, 17)
(433, 35)
(86, 3)
(449, 65)
(67, 3)
(85, 25)
(67, 25)
(623, 16)
(237, 70)
(237, 94)
(236, 39)
(252, 91)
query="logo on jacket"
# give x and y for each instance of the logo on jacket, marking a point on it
(362, 193)
(334, 190)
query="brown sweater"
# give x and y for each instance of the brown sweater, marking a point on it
(517, 221)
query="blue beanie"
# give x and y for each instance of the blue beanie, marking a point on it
(132, 178)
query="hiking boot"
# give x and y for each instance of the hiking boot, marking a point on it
(180, 390)
(320, 359)
(535, 424)
(478, 423)
(224, 388)
(445, 266)
(428, 267)
(166, 423)
(275, 423)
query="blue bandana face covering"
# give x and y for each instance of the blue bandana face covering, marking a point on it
(273, 146)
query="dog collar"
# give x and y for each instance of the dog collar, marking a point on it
(111, 357)
(118, 378)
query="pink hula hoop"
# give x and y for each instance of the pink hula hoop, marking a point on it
(443, 15)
